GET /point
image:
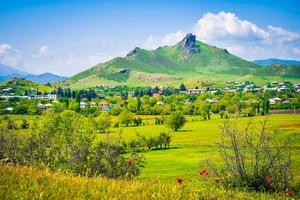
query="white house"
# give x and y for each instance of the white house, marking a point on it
(211, 101)
(194, 91)
(83, 105)
(274, 100)
(9, 109)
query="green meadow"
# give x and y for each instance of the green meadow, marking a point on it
(194, 143)
(197, 141)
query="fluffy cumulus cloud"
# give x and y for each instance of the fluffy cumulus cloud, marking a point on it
(246, 39)
(227, 26)
(10, 56)
(239, 36)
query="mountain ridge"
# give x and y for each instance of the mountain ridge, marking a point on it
(7, 72)
(269, 61)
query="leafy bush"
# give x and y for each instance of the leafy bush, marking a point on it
(251, 159)
(65, 142)
(175, 120)
(142, 143)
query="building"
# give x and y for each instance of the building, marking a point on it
(156, 95)
(194, 91)
(107, 109)
(9, 109)
(83, 105)
(44, 106)
(43, 96)
(212, 101)
(274, 100)
(104, 104)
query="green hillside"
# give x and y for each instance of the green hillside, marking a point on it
(18, 86)
(188, 61)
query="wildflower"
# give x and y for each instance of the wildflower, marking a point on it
(290, 193)
(217, 181)
(203, 172)
(269, 180)
(129, 162)
(179, 180)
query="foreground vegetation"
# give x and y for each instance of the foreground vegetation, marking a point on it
(171, 173)
(29, 183)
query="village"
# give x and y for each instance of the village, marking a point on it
(100, 97)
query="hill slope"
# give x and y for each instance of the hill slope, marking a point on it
(188, 61)
(18, 86)
(44, 78)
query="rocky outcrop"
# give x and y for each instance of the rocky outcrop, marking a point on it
(189, 45)
(133, 51)
(123, 71)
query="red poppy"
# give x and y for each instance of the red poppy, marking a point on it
(217, 181)
(129, 162)
(179, 180)
(269, 180)
(290, 193)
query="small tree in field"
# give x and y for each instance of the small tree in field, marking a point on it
(251, 159)
(103, 122)
(175, 120)
(125, 118)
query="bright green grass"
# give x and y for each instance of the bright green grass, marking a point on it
(196, 142)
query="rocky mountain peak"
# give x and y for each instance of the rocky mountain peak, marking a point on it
(133, 51)
(188, 44)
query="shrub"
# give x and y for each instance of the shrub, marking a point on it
(125, 118)
(251, 159)
(25, 124)
(176, 120)
(103, 122)
(65, 142)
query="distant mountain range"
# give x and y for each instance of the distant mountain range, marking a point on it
(7, 73)
(189, 61)
(270, 61)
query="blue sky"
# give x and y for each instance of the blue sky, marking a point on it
(68, 36)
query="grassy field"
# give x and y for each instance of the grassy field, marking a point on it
(28, 183)
(197, 141)
(194, 143)
(189, 146)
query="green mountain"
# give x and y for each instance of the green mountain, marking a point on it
(190, 61)
(18, 86)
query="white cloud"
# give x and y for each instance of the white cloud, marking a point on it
(44, 51)
(240, 37)
(10, 56)
(226, 26)
(152, 42)
(246, 39)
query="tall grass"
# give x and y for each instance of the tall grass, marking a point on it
(30, 183)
